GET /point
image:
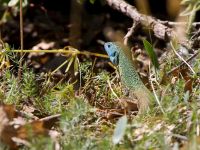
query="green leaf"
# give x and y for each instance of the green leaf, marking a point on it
(150, 51)
(119, 130)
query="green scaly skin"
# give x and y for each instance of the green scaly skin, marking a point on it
(129, 77)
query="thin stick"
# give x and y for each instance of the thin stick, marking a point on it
(64, 51)
(130, 32)
(21, 28)
(154, 92)
(181, 58)
(56, 116)
(109, 84)
(182, 63)
(171, 23)
(21, 41)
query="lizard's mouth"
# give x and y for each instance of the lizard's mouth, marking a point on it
(114, 59)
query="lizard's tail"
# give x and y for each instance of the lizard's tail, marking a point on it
(144, 97)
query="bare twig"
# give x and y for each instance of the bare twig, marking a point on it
(63, 51)
(160, 31)
(183, 63)
(179, 136)
(21, 41)
(154, 92)
(171, 23)
(113, 92)
(130, 32)
(50, 121)
(75, 20)
(197, 34)
(50, 118)
(181, 58)
(21, 28)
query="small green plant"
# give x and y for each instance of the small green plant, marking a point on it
(150, 51)
(192, 6)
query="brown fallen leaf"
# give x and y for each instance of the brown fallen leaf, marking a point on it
(7, 113)
(13, 133)
(10, 111)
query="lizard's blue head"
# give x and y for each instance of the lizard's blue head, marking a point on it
(112, 51)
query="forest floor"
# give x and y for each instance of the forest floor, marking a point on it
(69, 98)
(47, 111)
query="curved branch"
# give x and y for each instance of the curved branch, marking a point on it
(160, 31)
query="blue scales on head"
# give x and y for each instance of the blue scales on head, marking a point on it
(112, 51)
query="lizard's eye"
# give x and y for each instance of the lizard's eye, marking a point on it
(109, 45)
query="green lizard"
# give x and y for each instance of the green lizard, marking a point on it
(122, 56)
